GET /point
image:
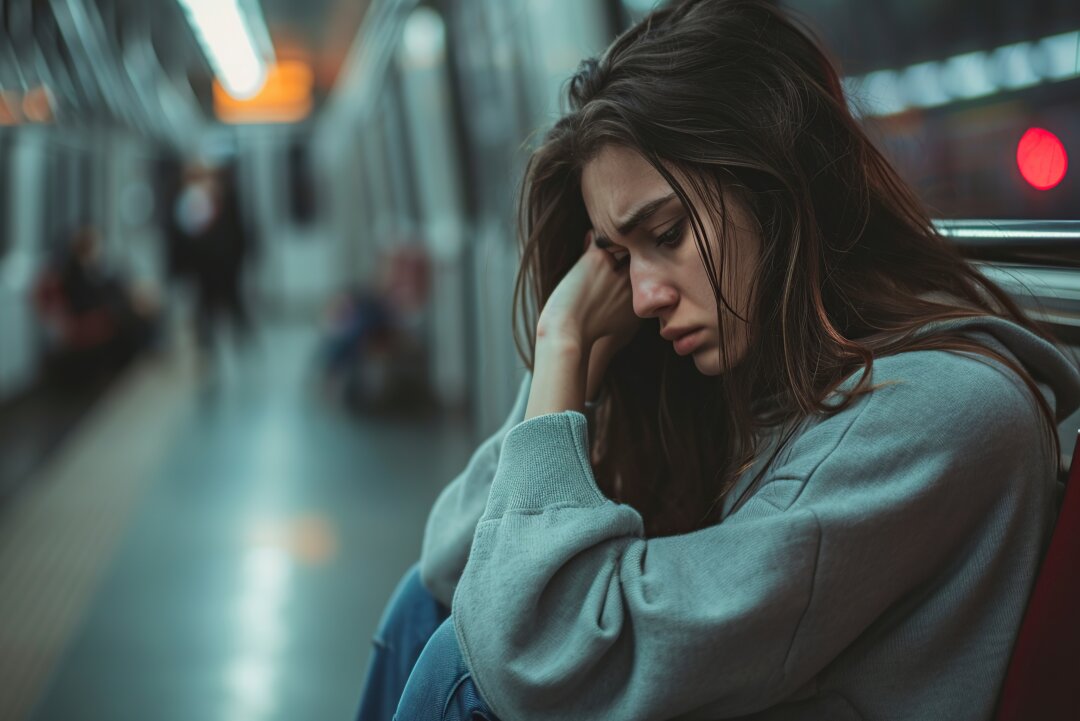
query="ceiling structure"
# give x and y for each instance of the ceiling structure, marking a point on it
(319, 32)
(137, 64)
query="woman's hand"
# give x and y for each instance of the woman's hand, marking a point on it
(593, 301)
(589, 316)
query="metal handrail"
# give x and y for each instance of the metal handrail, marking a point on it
(1037, 262)
(1042, 242)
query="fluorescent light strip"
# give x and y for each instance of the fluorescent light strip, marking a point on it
(967, 76)
(223, 32)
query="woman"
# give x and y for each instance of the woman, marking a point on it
(781, 455)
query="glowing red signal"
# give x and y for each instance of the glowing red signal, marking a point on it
(1041, 158)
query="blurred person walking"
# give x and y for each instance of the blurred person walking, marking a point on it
(215, 247)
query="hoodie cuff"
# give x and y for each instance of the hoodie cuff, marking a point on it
(545, 463)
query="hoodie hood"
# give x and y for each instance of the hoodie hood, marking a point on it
(1056, 371)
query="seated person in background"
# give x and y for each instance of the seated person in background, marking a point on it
(373, 353)
(91, 314)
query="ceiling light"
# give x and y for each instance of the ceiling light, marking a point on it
(225, 34)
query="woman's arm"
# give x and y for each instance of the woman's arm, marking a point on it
(567, 610)
(600, 356)
(560, 376)
(584, 322)
(452, 520)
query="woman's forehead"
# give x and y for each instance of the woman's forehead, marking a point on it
(615, 182)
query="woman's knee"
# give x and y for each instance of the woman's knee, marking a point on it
(440, 686)
(412, 613)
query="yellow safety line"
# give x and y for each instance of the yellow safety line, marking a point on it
(61, 531)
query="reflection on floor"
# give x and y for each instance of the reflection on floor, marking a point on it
(218, 551)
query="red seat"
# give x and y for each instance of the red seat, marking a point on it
(72, 332)
(1043, 681)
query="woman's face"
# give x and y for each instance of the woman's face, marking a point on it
(637, 217)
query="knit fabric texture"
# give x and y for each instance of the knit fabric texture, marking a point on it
(880, 570)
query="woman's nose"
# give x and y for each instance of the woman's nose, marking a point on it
(651, 294)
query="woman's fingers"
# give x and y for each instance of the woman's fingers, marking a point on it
(613, 263)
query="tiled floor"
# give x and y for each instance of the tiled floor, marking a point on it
(264, 535)
(34, 424)
(221, 552)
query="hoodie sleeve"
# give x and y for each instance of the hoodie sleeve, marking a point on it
(452, 521)
(566, 611)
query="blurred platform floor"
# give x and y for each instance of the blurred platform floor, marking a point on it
(218, 552)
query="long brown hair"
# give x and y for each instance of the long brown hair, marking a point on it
(735, 95)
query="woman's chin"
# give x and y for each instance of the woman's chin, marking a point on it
(708, 364)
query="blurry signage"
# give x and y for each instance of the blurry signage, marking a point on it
(285, 98)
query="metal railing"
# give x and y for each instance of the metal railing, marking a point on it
(1036, 262)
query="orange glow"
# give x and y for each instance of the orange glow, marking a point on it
(10, 108)
(312, 539)
(37, 105)
(285, 98)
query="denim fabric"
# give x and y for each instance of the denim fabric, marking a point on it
(415, 643)
(441, 686)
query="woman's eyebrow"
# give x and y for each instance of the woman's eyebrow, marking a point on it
(636, 217)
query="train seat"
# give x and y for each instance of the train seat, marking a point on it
(1043, 680)
(65, 330)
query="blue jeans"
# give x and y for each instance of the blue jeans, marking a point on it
(417, 672)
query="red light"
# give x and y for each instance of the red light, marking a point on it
(1041, 158)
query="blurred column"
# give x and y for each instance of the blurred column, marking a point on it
(513, 60)
(428, 111)
(20, 262)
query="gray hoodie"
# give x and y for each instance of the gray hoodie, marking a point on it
(880, 570)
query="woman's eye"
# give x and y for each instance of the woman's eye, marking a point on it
(671, 237)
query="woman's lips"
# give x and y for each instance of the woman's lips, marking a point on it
(688, 342)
